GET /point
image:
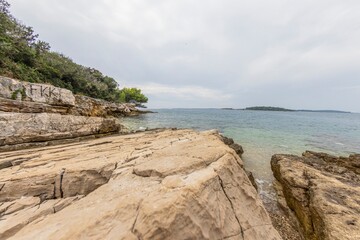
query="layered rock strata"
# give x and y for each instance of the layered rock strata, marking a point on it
(170, 184)
(23, 130)
(40, 114)
(25, 97)
(322, 192)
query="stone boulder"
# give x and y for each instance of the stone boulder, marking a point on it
(164, 184)
(322, 192)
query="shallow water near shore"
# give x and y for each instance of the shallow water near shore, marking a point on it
(264, 133)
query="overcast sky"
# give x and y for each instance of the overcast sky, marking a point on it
(212, 53)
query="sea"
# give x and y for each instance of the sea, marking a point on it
(264, 133)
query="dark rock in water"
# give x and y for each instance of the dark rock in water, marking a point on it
(252, 179)
(322, 191)
(227, 141)
(230, 142)
(239, 151)
(238, 148)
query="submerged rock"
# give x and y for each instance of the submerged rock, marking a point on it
(165, 184)
(322, 192)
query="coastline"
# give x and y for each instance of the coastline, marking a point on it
(145, 162)
(89, 127)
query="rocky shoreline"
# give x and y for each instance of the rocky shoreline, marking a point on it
(33, 115)
(320, 193)
(164, 184)
(156, 184)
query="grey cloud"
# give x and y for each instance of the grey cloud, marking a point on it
(295, 54)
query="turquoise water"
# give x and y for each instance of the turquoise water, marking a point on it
(263, 133)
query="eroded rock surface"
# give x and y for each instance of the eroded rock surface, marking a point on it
(34, 114)
(19, 130)
(322, 191)
(172, 184)
(35, 92)
(25, 97)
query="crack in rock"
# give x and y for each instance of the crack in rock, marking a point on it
(232, 206)
(61, 181)
(136, 217)
(231, 236)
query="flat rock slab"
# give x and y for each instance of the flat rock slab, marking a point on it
(19, 129)
(170, 184)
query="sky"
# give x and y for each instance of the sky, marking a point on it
(212, 53)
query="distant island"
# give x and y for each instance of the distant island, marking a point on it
(325, 111)
(267, 108)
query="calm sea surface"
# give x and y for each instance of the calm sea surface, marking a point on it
(263, 133)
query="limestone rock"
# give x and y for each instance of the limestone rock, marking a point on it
(87, 106)
(323, 192)
(169, 184)
(9, 105)
(25, 97)
(21, 128)
(35, 92)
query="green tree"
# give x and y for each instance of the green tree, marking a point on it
(26, 58)
(128, 94)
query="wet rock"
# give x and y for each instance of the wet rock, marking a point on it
(230, 142)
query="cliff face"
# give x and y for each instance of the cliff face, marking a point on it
(322, 192)
(40, 114)
(153, 185)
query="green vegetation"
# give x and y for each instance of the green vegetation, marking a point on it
(16, 92)
(264, 108)
(128, 94)
(24, 57)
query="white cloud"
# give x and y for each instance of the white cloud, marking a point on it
(184, 96)
(229, 46)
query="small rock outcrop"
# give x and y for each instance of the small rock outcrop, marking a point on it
(322, 192)
(40, 114)
(164, 184)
